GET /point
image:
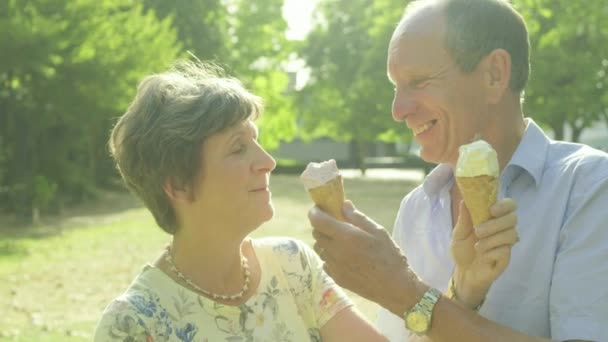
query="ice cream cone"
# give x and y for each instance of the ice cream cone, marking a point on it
(479, 195)
(477, 178)
(330, 197)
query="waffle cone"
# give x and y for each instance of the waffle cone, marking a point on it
(330, 197)
(479, 195)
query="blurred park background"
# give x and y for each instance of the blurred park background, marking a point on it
(71, 239)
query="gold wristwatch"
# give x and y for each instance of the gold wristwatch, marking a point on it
(418, 318)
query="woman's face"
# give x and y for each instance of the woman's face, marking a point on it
(233, 183)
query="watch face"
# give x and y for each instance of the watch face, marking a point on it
(417, 322)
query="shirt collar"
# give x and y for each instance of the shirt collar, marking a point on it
(437, 179)
(530, 155)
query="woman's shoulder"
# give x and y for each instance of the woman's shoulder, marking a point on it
(136, 311)
(131, 315)
(140, 297)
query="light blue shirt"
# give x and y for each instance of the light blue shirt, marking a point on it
(556, 285)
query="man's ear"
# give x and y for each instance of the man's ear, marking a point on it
(497, 75)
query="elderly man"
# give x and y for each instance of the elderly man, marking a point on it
(459, 68)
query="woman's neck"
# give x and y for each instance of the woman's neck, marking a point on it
(211, 259)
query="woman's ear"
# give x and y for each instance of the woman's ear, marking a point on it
(177, 193)
(497, 75)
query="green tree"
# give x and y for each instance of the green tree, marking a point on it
(200, 24)
(569, 57)
(348, 97)
(72, 68)
(258, 50)
(248, 39)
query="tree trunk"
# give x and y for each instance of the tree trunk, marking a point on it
(576, 133)
(92, 154)
(558, 131)
(358, 154)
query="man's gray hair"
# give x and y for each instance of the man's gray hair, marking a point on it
(474, 28)
(159, 138)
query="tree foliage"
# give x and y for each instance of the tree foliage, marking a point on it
(258, 49)
(248, 39)
(69, 68)
(73, 67)
(569, 56)
(348, 97)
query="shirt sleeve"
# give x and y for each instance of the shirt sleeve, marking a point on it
(121, 322)
(328, 298)
(579, 295)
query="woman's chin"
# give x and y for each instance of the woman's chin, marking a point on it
(268, 214)
(264, 215)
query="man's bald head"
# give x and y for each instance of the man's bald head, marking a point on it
(472, 29)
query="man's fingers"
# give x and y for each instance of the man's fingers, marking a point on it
(503, 207)
(464, 226)
(503, 238)
(497, 256)
(358, 219)
(320, 237)
(496, 225)
(326, 224)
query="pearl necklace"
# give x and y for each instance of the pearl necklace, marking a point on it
(187, 280)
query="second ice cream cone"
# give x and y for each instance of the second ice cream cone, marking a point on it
(479, 195)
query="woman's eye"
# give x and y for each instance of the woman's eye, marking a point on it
(421, 83)
(238, 149)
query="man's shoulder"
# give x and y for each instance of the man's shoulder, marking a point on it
(578, 159)
(414, 198)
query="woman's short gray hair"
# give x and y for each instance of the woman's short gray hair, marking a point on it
(159, 138)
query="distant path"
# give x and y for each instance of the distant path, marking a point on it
(411, 175)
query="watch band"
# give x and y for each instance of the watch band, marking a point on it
(427, 303)
(418, 318)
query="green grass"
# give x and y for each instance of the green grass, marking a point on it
(56, 279)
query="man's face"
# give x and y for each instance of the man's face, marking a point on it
(443, 106)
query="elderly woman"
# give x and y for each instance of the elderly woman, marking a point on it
(187, 147)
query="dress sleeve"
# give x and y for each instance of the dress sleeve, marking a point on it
(121, 322)
(328, 298)
(579, 295)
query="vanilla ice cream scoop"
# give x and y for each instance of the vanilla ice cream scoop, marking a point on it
(318, 174)
(477, 159)
(324, 184)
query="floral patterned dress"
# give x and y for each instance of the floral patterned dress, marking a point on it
(294, 299)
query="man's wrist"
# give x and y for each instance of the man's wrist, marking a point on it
(471, 297)
(404, 293)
